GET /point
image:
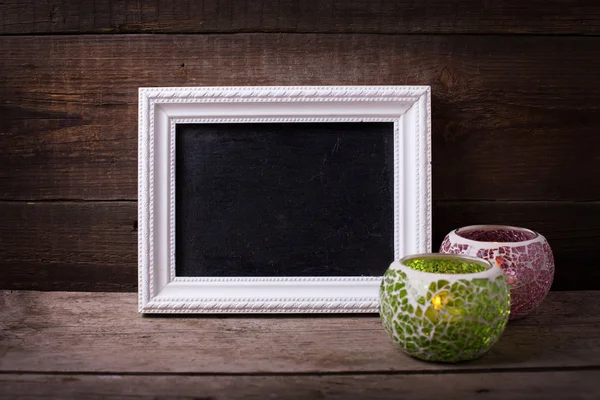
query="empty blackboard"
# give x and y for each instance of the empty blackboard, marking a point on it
(283, 199)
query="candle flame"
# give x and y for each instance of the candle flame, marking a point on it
(440, 300)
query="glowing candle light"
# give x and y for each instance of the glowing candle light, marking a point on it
(444, 307)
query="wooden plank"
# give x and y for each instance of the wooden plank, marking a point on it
(508, 114)
(79, 332)
(68, 246)
(93, 245)
(87, 154)
(501, 386)
(326, 16)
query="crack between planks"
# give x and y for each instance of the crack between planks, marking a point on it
(508, 201)
(149, 32)
(313, 373)
(67, 201)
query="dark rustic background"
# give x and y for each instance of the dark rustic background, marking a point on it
(516, 112)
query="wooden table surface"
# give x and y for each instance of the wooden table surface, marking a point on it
(96, 345)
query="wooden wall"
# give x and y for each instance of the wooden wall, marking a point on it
(516, 112)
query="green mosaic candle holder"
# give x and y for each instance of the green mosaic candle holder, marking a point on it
(444, 308)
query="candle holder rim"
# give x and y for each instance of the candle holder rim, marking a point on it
(491, 271)
(535, 234)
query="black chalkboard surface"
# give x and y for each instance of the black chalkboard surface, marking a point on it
(283, 199)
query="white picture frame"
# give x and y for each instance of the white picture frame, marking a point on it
(160, 109)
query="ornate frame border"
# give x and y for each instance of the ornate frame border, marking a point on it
(160, 109)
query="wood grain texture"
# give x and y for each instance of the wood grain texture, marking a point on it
(93, 246)
(326, 16)
(64, 155)
(103, 333)
(508, 114)
(68, 246)
(493, 386)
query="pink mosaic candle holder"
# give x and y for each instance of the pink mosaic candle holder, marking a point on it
(524, 255)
